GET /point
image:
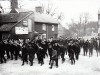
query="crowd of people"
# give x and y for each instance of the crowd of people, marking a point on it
(27, 50)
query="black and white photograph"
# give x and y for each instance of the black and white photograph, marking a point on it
(49, 37)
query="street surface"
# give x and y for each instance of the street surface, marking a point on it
(84, 66)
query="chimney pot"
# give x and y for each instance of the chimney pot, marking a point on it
(39, 9)
(14, 4)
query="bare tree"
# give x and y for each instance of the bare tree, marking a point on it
(85, 21)
(1, 8)
(20, 3)
(80, 27)
(60, 16)
(50, 9)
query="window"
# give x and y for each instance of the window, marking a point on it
(53, 28)
(44, 27)
(25, 23)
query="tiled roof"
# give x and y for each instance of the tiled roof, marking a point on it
(13, 22)
(6, 27)
(44, 18)
(11, 17)
(14, 17)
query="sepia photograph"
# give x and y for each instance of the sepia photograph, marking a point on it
(49, 37)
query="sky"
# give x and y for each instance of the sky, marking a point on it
(70, 8)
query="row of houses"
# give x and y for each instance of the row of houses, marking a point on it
(21, 23)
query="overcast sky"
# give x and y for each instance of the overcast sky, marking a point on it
(70, 8)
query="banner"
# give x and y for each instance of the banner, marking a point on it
(21, 30)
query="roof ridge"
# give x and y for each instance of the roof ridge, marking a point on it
(45, 18)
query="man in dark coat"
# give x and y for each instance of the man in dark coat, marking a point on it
(40, 54)
(31, 53)
(85, 47)
(77, 50)
(2, 52)
(15, 51)
(44, 46)
(62, 50)
(90, 48)
(71, 52)
(11, 48)
(54, 58)
(7, 48)
(50, 49)
(24, 54)
(55, 54)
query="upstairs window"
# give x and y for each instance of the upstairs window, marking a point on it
(53, 28)
(25, 23)
(44, 27)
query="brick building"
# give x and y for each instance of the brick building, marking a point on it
(20, 23)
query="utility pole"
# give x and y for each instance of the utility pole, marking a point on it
(98, 23)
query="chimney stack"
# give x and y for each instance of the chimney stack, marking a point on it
(14, 5)
(39, 9)
(1, 9)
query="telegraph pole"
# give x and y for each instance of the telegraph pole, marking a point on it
(98, 23)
